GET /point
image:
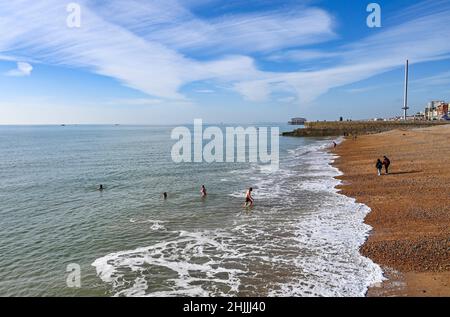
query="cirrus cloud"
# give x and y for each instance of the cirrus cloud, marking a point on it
(23, 69)
(159, 47)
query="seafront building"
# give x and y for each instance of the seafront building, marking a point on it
(436, 110)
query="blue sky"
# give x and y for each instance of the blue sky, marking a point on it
(170, 61)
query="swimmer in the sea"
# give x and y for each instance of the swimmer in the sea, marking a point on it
(203, 191)
(249, 198)
(100, 188)
(165, 195)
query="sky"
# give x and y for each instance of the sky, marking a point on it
(236, 61)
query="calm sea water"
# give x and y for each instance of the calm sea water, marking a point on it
(301, 239)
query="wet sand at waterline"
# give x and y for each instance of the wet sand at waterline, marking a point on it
(410, 207)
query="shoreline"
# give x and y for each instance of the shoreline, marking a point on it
(410, 213)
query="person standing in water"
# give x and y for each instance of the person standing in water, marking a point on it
(165, 195)
(100, 188)
(379, 166)
(249, 198)
(386, 163)
(203, 191)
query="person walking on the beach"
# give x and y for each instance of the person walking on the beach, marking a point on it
(203, 191)
(386, 163)
(249, 198)
(379, 166)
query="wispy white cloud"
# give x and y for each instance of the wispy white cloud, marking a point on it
(422, 39)
(23, 69)
(256, 32)
(107, 49)
(153, 46)
(256, 90)
(135, 102)
(440, 79)
(288, 99)
(204, 91)
(361, 89)
(7, 58)
(172, 24)
(301, 55)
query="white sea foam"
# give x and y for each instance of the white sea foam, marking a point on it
(190, 257)
(335, 231)
(154, 224)
(318, 250)
(336, 268)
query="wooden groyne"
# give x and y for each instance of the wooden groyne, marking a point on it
(352, 128)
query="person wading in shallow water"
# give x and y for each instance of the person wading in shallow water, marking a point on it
(249, 198)
(379, 166)
(164, 195)
(203, 191)
(386, 163)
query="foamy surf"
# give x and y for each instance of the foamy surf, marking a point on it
(302, 239)
(189, 254)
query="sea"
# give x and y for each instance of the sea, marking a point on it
(60, 236)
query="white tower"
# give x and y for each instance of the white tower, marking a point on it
(405, 103)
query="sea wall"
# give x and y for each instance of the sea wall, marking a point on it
(350, 128)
